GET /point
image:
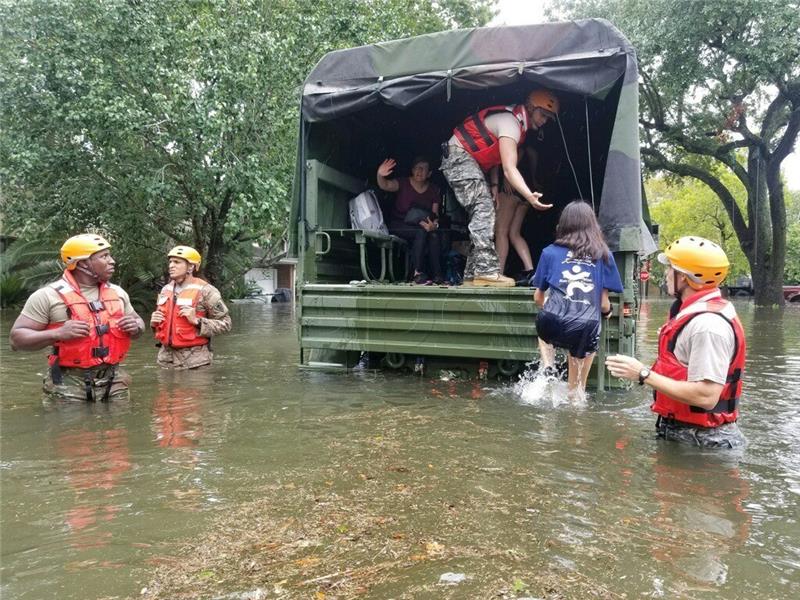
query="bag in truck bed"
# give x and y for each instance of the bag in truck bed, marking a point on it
(365, 213)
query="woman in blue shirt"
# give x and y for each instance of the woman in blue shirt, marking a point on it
(579, 271)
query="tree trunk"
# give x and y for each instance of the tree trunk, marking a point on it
(765, 246)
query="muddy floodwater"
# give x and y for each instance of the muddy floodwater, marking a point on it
(253, 479)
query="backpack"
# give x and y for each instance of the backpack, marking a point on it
(365, 213)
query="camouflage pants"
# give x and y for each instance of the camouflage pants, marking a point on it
(727, 436)
(184, 358)
(73, 384)
(469, 185)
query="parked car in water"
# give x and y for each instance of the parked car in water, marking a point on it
(791, 293)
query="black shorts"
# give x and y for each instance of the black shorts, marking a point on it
(578, 336)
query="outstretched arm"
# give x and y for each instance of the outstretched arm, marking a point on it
(508, 155)
(704, 394)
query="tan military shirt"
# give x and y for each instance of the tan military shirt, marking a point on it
(46, 306)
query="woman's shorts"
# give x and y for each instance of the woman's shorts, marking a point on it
(578, 336)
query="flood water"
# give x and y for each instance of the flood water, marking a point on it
(461, 475)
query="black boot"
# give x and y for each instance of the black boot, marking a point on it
(524, 278)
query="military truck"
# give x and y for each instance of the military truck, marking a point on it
(403, 98)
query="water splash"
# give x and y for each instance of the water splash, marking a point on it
(545, 388)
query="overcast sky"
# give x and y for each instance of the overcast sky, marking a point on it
(523, 12)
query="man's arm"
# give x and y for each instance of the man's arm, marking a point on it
(132, 324)
(703, 394)
(27, 334)
(217, 319)
(508, 156)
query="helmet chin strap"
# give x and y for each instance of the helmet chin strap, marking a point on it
(675, 292)
(87, 271)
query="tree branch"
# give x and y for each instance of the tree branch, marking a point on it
(786, 144)
(656, 160)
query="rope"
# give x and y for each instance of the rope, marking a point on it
(569, 160)
(589, 149)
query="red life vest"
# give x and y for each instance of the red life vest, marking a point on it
(106, 343)
(176, 331)
(482, 144)
(667, 364)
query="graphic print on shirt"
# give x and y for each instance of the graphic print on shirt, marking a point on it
(576, 279)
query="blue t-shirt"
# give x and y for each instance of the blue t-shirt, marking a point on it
(580, 279)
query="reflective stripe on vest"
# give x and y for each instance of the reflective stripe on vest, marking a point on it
(667, 364)
(106, 342)
(176, 331)
(482, 144)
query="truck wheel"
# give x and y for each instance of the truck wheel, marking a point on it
(508, 368)
(395, 360)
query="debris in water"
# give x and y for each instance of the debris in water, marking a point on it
(452, 578)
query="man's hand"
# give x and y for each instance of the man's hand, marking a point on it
(625, 367)
(533, 199)
(72, 330)
(156, 318)
(387, 167)
(129, 324)
(189, 313)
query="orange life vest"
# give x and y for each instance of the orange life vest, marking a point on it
(482, 144)
(667, 364)
(106, 343)
(176, 331)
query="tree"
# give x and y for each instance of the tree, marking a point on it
(719, 78)
(163, 122)
(689, 207)
(792, 273)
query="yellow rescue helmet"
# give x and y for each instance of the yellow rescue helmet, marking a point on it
(187, 253)
(703, 262)
(80, 247)
(544, 99)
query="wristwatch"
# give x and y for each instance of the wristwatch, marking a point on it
(643, 374)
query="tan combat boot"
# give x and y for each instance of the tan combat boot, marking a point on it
(493, 280)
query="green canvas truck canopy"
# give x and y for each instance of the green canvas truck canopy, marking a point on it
(589, 60)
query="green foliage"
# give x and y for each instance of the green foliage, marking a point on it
(24, 267)
(792, 270)
(690, 208)
(166, 122)
(720, 82)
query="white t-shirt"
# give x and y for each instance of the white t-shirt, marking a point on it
(503, 124)
(706, 347)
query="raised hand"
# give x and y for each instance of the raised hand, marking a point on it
(387, 167)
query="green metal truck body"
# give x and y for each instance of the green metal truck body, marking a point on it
(402, 98)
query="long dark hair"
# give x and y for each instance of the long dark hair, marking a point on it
(579, 231)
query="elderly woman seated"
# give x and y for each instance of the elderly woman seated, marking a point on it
(415, 215)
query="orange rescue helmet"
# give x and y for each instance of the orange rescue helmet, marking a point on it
(544, 99)
(187, 253)
(703, 262)
(80, 247)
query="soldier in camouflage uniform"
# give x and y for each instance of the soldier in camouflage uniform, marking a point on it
(88, 321)
(478, 147)
(189, 312)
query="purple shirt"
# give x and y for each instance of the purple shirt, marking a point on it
(407, 197)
